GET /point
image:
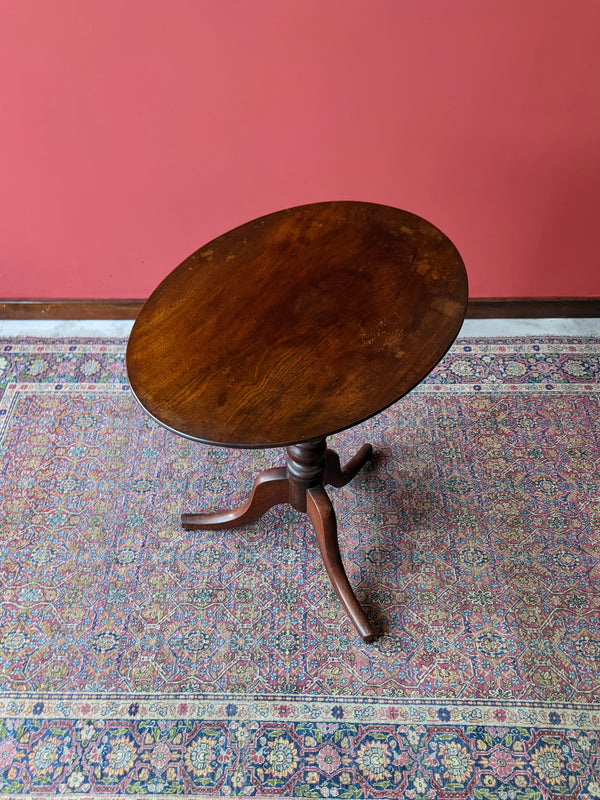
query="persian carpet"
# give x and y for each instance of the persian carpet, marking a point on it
(137, 658)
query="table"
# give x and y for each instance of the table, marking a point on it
(288, 329)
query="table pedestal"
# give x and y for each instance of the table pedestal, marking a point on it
(310, 467)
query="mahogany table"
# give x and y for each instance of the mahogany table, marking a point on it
(288, 329)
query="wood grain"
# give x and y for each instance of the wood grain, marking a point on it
(297, 325)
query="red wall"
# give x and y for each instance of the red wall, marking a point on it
(133, 131)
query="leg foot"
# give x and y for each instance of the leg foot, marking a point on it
(322, 515)
(338, 476)
(270, 489)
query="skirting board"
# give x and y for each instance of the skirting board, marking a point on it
(478, 308)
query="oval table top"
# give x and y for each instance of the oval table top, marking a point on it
(297, 325)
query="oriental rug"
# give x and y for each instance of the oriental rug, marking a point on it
(139, 659)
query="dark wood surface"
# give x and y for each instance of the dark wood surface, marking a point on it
(297, 325)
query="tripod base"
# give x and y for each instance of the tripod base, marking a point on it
(301, 483)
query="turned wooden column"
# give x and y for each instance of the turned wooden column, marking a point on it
(305, 468)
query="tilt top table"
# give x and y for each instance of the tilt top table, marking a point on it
(291, 328)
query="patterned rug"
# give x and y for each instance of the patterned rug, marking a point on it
(137, 658)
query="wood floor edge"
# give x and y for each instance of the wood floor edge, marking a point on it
(478, 308)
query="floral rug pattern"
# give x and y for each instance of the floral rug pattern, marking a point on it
(140, 659)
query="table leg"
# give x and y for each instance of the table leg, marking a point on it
(322, 516)
(271, 488)
(338, 476)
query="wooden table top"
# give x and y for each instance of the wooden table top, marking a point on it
(297, 325)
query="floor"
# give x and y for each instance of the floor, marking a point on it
(471, 327)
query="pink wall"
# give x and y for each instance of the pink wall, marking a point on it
(135, 130)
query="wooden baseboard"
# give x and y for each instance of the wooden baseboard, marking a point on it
(70, 309)
(478, 308)
(532, 307)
